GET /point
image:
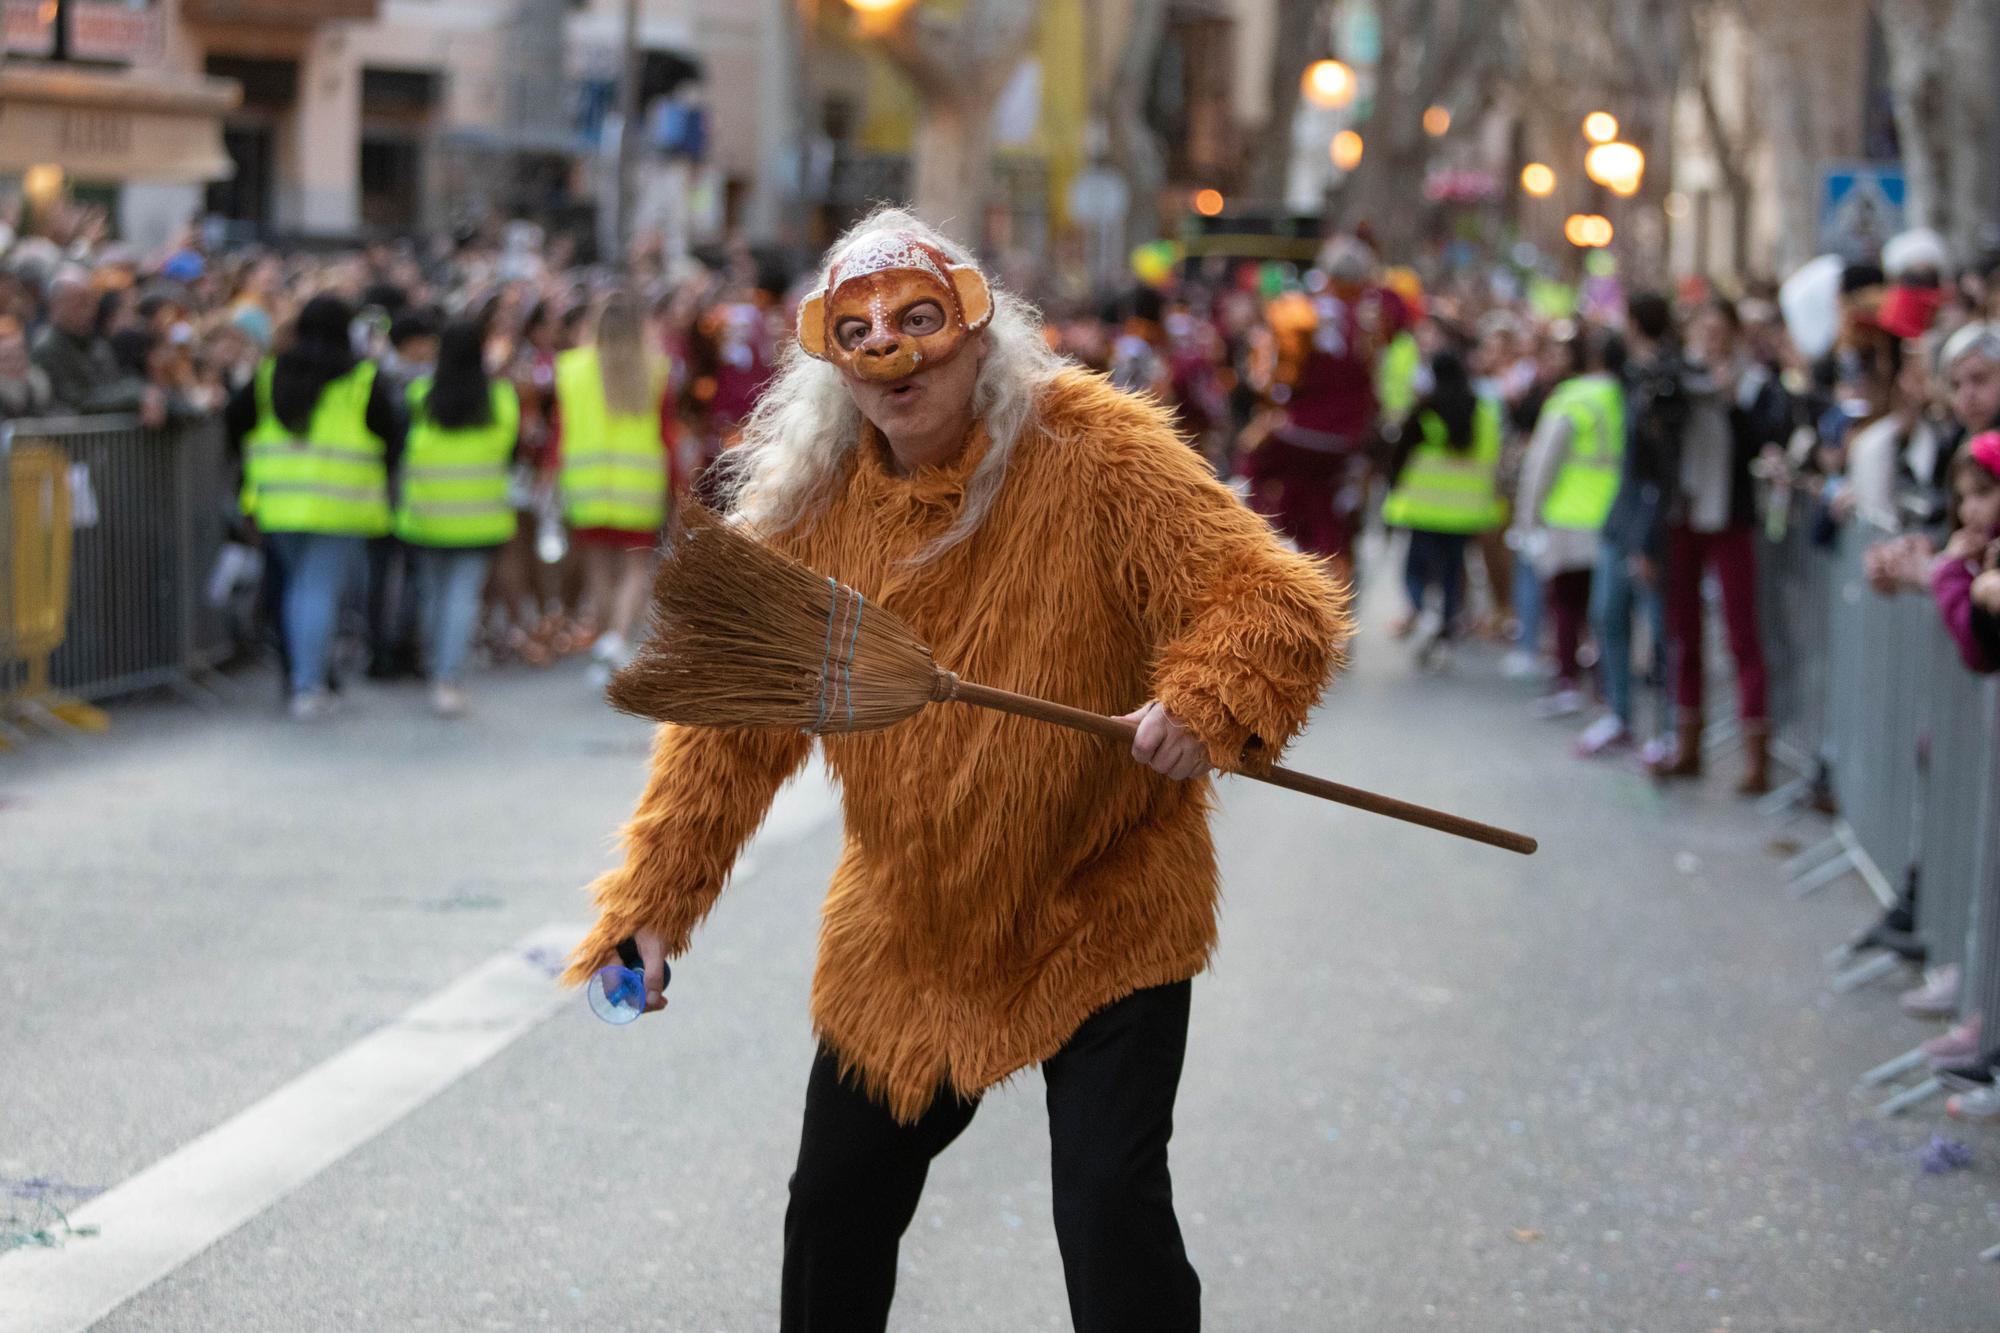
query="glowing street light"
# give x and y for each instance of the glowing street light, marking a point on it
(1347, 149)
(1437, 121)
(1538, 179)
(1598, 126)
(1327, 83)
(1208, 203)
(876, 6)
(1587, 231)
(1618, 167)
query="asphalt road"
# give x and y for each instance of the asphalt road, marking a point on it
(1429, 1085)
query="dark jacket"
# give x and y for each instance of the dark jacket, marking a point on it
(85, 374)
(1658, 406)
(1760, 416)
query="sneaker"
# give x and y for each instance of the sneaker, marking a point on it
(1607, 733)
(311, 705)
(1433, 652)
(1936, 998)
(1974, 1073)
(1954, 1047)
(447, 701)
(1981, 1104)
(1655, 752)
(1520, 664)
(1565, 702)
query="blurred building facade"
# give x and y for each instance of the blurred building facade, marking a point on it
(340, 118)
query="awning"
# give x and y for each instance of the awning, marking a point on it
(114, 126)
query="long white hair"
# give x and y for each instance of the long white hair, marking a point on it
(805, 424)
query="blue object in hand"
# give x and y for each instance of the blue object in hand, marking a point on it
(617, 993)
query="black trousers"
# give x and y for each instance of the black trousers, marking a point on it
(1111, 1111)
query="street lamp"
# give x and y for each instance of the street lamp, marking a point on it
(1437, 121)
(1327, 83)
(1587, 231)
(1538, 179)
(1619, 167)
(1208, 203)
(1598, 126)
(876, 6)
(1347, 149)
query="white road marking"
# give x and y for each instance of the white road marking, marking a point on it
(159, 1219)
(164, 1216)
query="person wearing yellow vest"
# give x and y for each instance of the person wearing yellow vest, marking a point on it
(1568, 482)
(613, 470)
(1445, 491)
(455, 510)
(319, 432)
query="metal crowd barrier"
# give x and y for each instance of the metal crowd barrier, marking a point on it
(143, 520)
(1869, 691)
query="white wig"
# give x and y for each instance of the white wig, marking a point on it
(806, 424)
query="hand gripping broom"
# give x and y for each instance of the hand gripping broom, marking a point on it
(744, 636)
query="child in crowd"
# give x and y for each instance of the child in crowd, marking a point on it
(1966, 580)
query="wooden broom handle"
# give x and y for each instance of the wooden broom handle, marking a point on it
(950, 687)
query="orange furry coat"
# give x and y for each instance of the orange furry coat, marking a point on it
(1002, 879)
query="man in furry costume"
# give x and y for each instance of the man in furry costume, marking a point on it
(1009, 894)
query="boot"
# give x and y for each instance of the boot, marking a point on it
(1756, 759)
(1685, 761)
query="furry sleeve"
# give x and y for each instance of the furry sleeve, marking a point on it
(1247, 633)
(708, 792)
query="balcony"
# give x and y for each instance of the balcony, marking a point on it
(279, 13)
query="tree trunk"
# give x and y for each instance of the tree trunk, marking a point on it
(959, 66)
(1972, 122)
(1135, 149)
(1296, 43)
(1915, 33)
(952, 145)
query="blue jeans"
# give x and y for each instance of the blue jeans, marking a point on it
(451, 581)
(318, 569)
(1527, 605)
(1436, 558)
(1615, 596)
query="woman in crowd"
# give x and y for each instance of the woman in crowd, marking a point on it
(519, 592)
(1568, 482)
(1714, 530)
(319, 431)
(613, 444)
(1444, 492)
(455, 511)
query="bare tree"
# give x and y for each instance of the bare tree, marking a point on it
(1299, 40)
(958, 66)
(1135, 149)
(1947, 111)
(1432, 50)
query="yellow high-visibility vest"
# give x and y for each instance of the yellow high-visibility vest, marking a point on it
(334, 479)
(1587, 484)
(454, 490)
(1442, 489)
(614, 468)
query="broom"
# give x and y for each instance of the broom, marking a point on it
(744, 636)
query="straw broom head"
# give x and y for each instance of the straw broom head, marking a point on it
(743, 636)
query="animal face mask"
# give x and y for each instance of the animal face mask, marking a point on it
(893, 307)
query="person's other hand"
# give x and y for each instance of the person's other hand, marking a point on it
(1842, 504)
(1965, 544)
(1642, 569)
(652, 946)
(1165, 746)
(1986, 592)
(153, 406)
